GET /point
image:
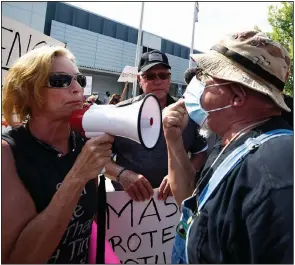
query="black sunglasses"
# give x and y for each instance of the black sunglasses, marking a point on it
(62, 80)
(151, 76)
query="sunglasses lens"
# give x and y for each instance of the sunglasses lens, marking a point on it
(81, 79)
(164, 76)
(60, 80)
(150, 76)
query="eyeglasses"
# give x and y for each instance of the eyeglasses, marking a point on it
(151, 76)
(62, 80)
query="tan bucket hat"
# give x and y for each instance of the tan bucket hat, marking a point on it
(251, 59)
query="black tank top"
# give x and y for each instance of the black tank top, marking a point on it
(42, 170)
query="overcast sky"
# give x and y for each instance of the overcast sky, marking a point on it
(173, 20)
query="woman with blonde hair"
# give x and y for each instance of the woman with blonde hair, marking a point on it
(48, 174)
(115, 99)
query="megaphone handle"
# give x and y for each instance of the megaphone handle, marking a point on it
(101, 221)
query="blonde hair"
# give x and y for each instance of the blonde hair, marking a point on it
(112, 99)
(25, 80)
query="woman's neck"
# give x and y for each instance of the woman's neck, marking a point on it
(53, 132)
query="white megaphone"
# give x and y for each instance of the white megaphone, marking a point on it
(138, 119)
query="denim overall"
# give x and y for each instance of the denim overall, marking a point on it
(179, 251)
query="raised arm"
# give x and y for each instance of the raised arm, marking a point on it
(124, 92)
(181, 172)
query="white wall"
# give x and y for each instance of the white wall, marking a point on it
(151, 41)
(99, 51)
(31, 14)
(93, 49)
(102, 83)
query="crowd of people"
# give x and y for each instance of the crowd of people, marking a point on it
(225, 153)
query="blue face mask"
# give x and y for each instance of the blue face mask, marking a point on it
(192, 100)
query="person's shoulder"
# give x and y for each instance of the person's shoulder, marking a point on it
(15, 139)
(269, 167)
(277, 154)
(130, 101)
(14, 133)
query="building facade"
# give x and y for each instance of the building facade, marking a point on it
(102, 47)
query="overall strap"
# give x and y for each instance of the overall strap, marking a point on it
(233, 159)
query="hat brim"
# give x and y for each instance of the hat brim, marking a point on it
(147, 67)
(218, 66)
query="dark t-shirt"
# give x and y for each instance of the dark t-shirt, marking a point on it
(249, 218)
(153, 164)
(42, 171)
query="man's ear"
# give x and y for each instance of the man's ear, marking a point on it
(239, 95)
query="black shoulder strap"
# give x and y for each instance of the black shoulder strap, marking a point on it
(101, 221)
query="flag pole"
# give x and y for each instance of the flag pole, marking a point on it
(138, 48)
(195, 19)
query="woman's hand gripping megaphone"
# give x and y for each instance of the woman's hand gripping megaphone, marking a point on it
(94, 156)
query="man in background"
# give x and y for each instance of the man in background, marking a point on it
(106, 98)
(138, 171)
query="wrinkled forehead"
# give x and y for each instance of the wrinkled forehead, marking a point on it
(64, 64)
(207, 80)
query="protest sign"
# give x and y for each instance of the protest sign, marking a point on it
(88, 88)
(141, 232)
(18, 39)
(129, 74)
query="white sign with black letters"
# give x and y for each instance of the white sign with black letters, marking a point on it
(18, 39)
(129, 74)
(141, 232)
(88, 88)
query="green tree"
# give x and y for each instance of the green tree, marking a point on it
(281, 18)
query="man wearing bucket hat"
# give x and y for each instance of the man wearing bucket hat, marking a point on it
(239, 209)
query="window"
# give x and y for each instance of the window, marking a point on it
(132, 35)
(64, 13)
(163, 45)
(81, 19)
(177, 50)
(184, 52)
(96, 24)
(109, 28)
(122, 32)
(169, 47)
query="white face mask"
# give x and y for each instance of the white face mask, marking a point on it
(192, 100)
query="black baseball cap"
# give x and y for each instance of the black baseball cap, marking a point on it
(152, 58)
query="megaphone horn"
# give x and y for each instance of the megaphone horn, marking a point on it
(139, 120)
